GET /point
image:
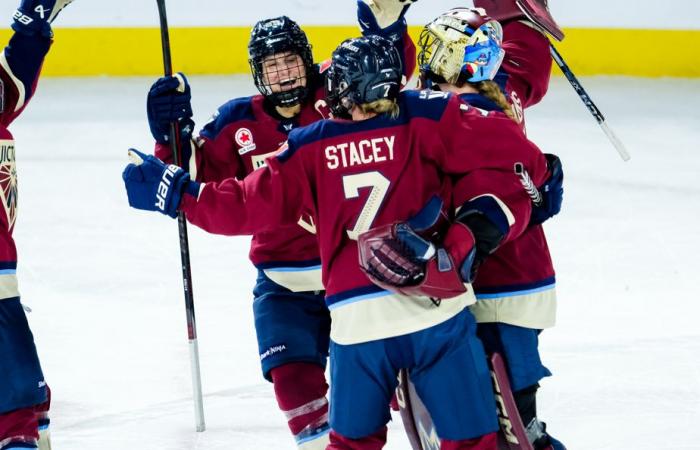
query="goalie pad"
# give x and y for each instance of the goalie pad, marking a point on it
(419, 425)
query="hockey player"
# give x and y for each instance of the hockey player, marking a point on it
(24, 395)
(382, 166)
(461, 52)
(291, 319)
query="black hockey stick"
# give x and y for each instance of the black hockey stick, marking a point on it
(184, 242)
(586, 99)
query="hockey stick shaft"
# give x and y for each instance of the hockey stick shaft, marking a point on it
(586, 99)
(184, 241)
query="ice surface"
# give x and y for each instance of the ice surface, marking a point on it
(109, 320)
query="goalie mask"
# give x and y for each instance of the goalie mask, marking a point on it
(363, 70)
(280, 60)
(462, 45)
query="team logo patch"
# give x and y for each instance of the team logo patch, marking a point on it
(8, 181)
(244, 139)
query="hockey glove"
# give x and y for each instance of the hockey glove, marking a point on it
(34, 17)
(152, 185)
(383, 17)
(169, 101)
(401, 257)
(552, 192)
(535, 11)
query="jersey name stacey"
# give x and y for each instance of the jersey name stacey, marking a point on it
(366, 151)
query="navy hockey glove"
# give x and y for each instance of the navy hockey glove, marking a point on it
(383, 17)
(169, 101)
(152, 185)
(402, 257)
(34, 17)
(552, 192)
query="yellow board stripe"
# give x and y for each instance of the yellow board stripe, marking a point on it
(222, 50)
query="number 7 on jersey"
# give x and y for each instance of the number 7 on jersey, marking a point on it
(352, 185)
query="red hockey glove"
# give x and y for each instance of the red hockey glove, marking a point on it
(536, 11)
(396, 258)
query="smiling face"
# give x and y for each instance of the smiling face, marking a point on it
(284, 71)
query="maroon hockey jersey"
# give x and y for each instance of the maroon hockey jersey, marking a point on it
(516, 284)
(20, 64)
(243, 133)
(355, 175)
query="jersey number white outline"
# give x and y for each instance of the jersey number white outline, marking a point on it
(352, 185)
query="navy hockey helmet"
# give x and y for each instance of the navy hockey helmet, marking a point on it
(362, 70)
(278, 36)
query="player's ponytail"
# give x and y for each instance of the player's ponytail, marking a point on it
(492, 91)
(382, 106)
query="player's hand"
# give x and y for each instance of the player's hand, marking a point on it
(552, 192)
(382, 16)
(169, 100)
(35, 16)
(152, 185)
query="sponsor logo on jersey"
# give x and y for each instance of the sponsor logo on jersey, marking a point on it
(8, 181)
(273, 351)
(259, 160)
(244, 139)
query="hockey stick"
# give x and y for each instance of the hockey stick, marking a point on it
(586, 99)
(184, 242)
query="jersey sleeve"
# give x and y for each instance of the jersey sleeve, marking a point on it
(20, 65)
(527, 65)
(481, 153)
(210, 156)
(271, 196)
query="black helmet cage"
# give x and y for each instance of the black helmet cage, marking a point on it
(279, 35)
(363, 70)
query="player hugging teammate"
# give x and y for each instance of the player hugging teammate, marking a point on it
(462, 52)
(291, 319)
(24, 395)
(401, 152)
(351, 178)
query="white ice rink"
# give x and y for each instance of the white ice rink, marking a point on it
(109, 321)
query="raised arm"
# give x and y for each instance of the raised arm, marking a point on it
(22, 58)
(269, 197)
(208, 157)
(386, 18)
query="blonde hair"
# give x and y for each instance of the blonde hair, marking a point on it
(493, 92)
(381, 106)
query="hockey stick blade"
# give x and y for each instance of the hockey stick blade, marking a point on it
(586, 99)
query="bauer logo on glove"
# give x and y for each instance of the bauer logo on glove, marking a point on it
(152, 185)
